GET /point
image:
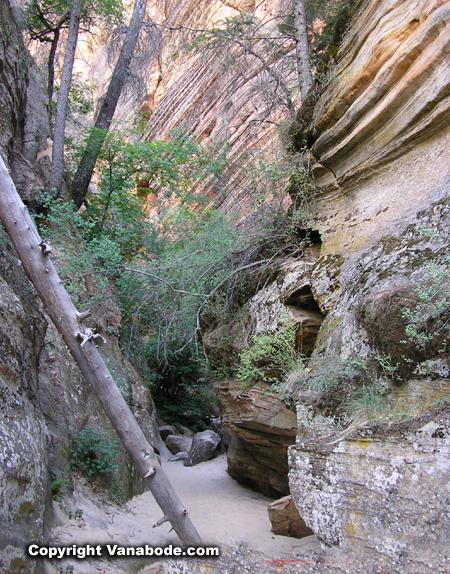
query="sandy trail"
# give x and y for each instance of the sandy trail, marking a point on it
(225, 514)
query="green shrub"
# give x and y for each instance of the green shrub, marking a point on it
(428, 321)
(179, 387)
(93, 453)
(271, 356)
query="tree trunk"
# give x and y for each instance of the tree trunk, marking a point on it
(302, 49)
(35, 257)
(51, 64)
(85, 169)
(56, 176)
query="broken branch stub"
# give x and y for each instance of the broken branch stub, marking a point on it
(37, 263)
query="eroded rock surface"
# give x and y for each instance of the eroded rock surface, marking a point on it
(286, 520)
(25, 500)
(261, 428)
(380, 498)
(380, 140)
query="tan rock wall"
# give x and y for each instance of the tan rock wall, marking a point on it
(214, 95)
(381, 129)
(380, 138)
(371, 499)
(260, 427)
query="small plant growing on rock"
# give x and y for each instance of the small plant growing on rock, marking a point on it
(57, 487)
(428, 321)
(271, 357)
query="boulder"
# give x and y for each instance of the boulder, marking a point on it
(285, 519)
(217, 427)
(203, 447)
(178, 443)
(166, 430)
(186, 432)
(261, 428)
(180, 456)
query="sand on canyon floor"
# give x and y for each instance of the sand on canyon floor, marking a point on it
(225, 514)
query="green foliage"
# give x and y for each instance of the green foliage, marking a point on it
(357, 390)
(80, 98)
(93, 453)
(428, 321)
(172, 270)
(370, 403)
(179, 388)
(57, 486)
(326, 378)
(43, 16)
(271, 356)
(323, 16)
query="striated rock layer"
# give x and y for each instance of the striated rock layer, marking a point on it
(260, 428)
(377, 497)
(219, 96)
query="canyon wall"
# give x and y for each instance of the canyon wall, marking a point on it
(376, 493)
(43, 397)
(219, 95)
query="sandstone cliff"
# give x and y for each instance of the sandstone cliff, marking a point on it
(369, 470)
(219, 96)
(379, 143)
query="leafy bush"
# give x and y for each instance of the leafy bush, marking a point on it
(93, 453)
(178, 385)
(271, 356)
(428, 321)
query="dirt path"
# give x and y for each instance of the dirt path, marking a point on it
(224, 513)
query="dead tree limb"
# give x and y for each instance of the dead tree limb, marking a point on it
(40, 270)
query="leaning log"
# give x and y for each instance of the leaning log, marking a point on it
(35, 256)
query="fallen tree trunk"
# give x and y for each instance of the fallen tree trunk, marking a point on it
(36, 260)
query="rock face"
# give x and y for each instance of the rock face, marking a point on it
(380, 499)
(213, 94)
(286, 520)
(44, 400)
(261, 428)
(24, 123)
(25, 500)
(379, 140)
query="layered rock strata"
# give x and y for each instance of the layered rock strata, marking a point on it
(217, 94)
(261, 428)
(379, 139)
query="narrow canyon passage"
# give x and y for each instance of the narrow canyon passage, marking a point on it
(225, 513)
